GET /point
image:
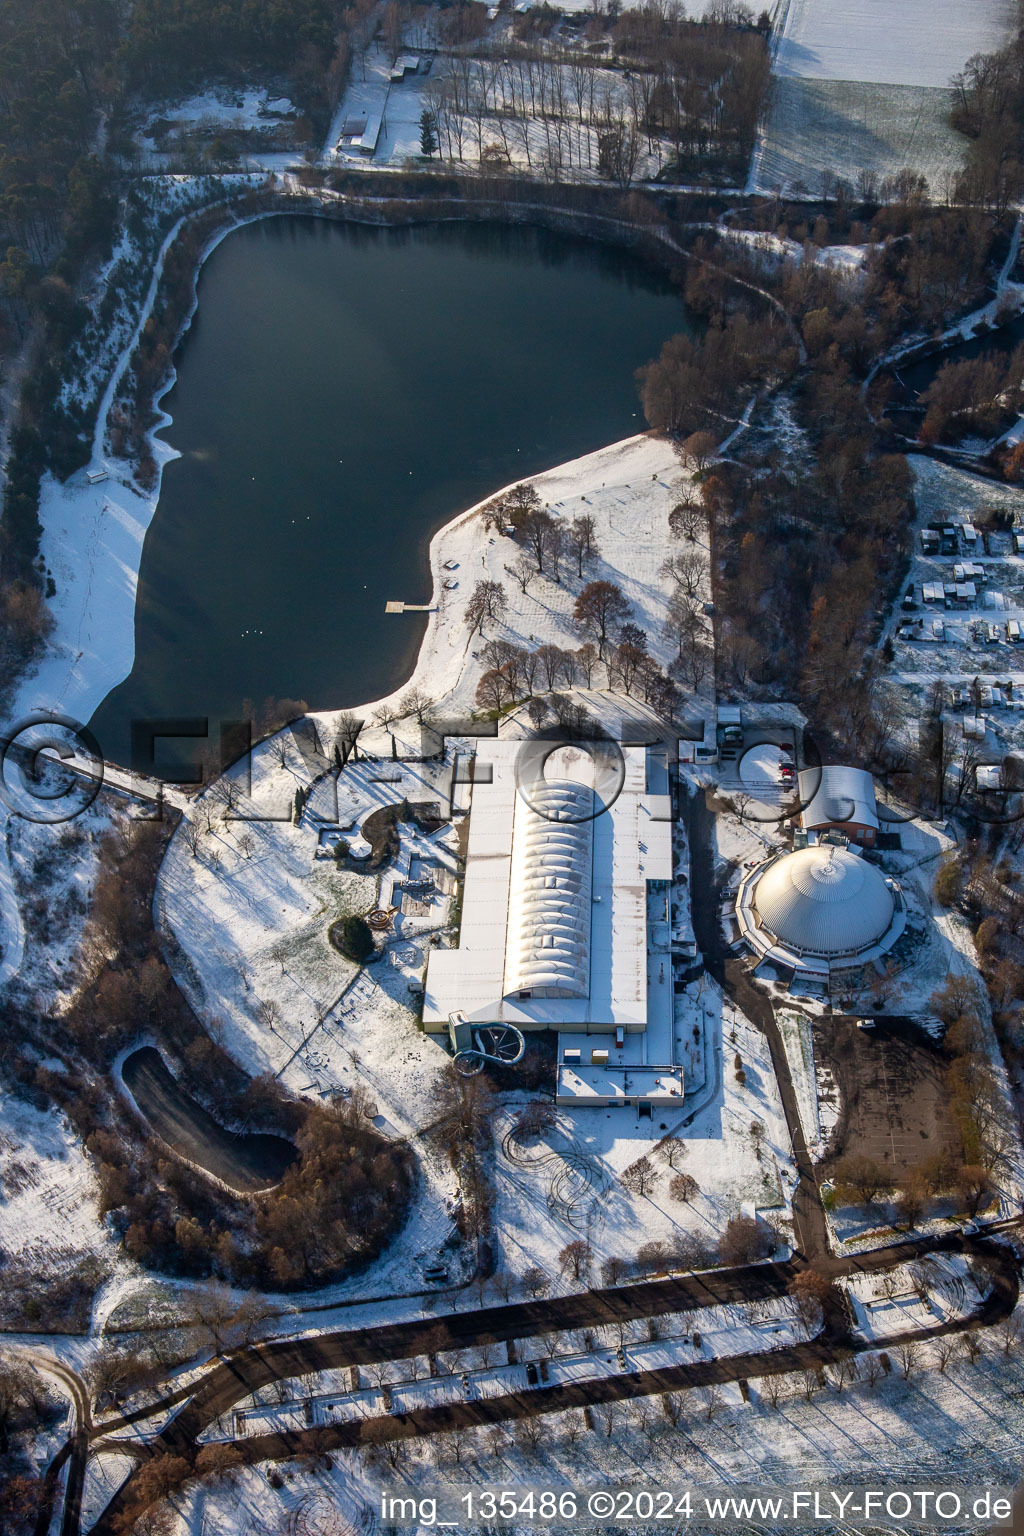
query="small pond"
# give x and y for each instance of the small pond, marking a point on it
(246, 1163)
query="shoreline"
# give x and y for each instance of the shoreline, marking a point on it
(93, 534)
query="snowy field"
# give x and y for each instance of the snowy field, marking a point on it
(578, 1355)
(49, 1196)
(252, 126)
(845, 127)
(540, 1208)
(962, 1426)
(863, 85)
(552, 141)
(918, 42)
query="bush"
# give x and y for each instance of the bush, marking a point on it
(352, 937)
(947, 883)
(746, 1240)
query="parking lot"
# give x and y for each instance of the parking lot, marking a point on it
(893, 1106)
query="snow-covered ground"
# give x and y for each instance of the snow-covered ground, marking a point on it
(49, 1196)
(554, 141)
(735, 1169)
(959, 1426)
(478, 1373)
(865, 86)
(918, 42)
(104, 1475)
(251, 126)
(938, 1290)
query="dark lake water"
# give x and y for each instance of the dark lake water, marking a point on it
(341, 393)
(244, 1162)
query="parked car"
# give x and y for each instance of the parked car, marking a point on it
(531, 1374)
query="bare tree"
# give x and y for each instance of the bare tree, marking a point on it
(600, 607)
(686, 570)
(534, 1281)
(575, 1258)
(640, 1177)
(385, 716)
(947, 1347)
(582, 542)
(673, 1149)
(522, 570)
(908, 1358)
(683, 1187)
(487, 604)
(686, 518)
(586, 660)
(873, 1370)
(415, 702)
(192, 832)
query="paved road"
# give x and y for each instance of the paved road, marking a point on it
(810, 1227)
(75, 1449)
(226, 1383)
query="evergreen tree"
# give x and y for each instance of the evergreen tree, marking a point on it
(428, 132)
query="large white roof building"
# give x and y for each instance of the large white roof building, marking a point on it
(557, 928)
(819, 908)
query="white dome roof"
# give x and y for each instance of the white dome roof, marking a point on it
(824, 901)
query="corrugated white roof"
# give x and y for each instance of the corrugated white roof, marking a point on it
(548, 939)
(833, 795)
(628, 845)
(824, 901)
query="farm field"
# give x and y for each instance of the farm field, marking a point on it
(847, 127)
(865, 87)
(919, 42)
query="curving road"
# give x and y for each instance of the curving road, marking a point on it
(231, 1380)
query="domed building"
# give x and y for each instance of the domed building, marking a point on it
(819, 909)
